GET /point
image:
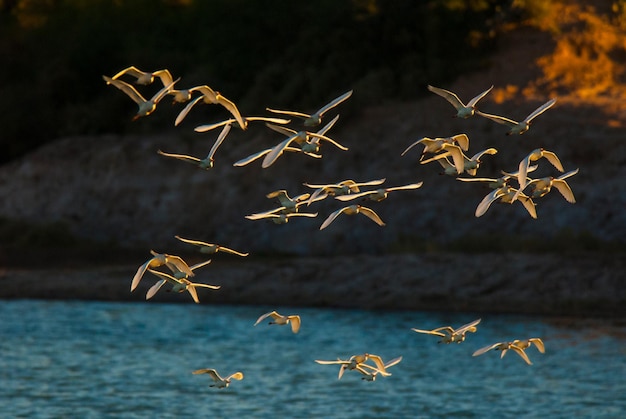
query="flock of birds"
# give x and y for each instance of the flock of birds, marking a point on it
(449, 152)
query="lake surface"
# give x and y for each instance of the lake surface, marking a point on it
(73, 359)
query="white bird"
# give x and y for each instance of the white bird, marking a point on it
(146, 107)
(246, 121)
(522, 126)
(536, 154)
(378, 195)
(435, 145)
(211, 97)
(450, 335)
(219, 382)
(351, 210)
(540, 187)
(517, 345)
(174, 263)
(358, 363)
(179, 282)
(207, 162)
(463, 110)
(344, 187)
(314, 119)
(371, 375)
(289, 204)
(505, 194)
(144, 77)
(293, 320)
(470, 164)
(308, 141)
(210, 248)
(262, 153)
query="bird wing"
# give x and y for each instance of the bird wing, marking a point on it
(338, 361)
(486, 349)
(186, 110)
(449, 96)
(290, 113)
(476, 179)
(413, 145)
(333, 103)
(156, 287)
(183, 157)
(429, 332)
(165, 276)
(200, 265)
(521, 353)
(295, 323)
(528, 204)
(209, 286)
(498, 119)
(265, 214)
(219, 141)
(252, 157)
(231, 251)
(165, 76)
(352, 196)
(209, 127)
(406, 187)
(332, 217)
(369, 213)
(209, 371)
(128, 89)
(265, 316)
(191, 288)
(330, 140)
(369, 183)
(235, 376)
(468, 327)
(302, 214)
(276, 152)
(552, 158)
(194, 242)
(522, 172)
(232, 108)
(539, 344)
(462, 140)
(568, 174)
(178, 264)
(565, 190)
(484, 205)
(328, 126)
(131, 71)
(478, 155)
(287, 132)
(540, 110)
(475, 100)
(139, 274)
(164, 91)
(393, 362)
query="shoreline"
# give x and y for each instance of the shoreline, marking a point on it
(573, 285)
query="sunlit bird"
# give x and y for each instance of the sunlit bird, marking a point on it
(369, 375)
(505, 194)
(210, 248)
(179, 283)
(351, 210)
(496, 183)
(344, 187)
(207, 162)
(518, 346)
(358, 363)
(211, 97)
(536, 154)
(435, 145)
(146, 107)
(522, 126)
(174, 263)
(278, 217)
(145, 77)
(246, 122)
(314, 119)
(450, 335)
(463, 110)
(542, 186)
(219, 382)
(293, 320)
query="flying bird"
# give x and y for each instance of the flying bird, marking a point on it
(207, 162)
(219, 382)
(293, 320)
(246, 122)
(450, 335)
(518, 346)
(210, 248)
(146, 107)
(378, 195)
(522, 126)
(180, 283)
(344, 187)
(505, 195)
(314, 119)
(536, 154)
(174, 263)
(463, 110)
(351, 210)
(211, 97)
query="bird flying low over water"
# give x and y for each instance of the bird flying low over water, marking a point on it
(522, 126)
(378, 195)
(314, 119)
(179, 283)
(358, 363)
(463, 110)
(211, 97)
(293, 320)
(370, 375)
(146, 107)
(207, 162)
(174, 263)
(450, 335)
(210, 248)
(518, 346)
(351, 210)
(219, 382)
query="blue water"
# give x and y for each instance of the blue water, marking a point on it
(134, 360)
